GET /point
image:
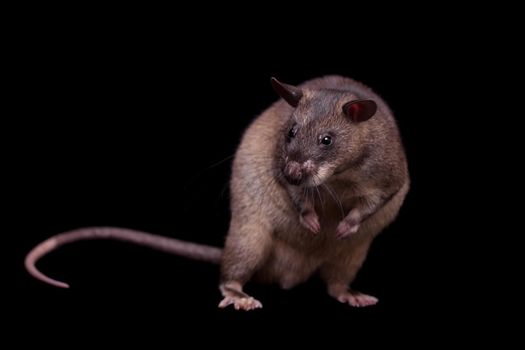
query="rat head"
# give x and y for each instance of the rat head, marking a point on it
(323, 133)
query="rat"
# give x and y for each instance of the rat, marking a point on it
(316, 177)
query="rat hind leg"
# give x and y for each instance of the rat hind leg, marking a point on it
(245, 251)
(339, 274)
(233, 295)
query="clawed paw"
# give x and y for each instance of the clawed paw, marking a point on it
(310, 220)
(346, 229)
(357, 299)
(241, 303)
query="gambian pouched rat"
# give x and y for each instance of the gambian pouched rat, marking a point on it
(315, 178)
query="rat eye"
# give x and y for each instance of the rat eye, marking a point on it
(326, 140)
(292, 131)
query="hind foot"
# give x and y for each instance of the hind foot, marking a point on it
(348, 296)
(245, 304)
(357, 299)
(233, 295)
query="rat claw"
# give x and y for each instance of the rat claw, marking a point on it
(344, 229)
(310, 221)
(240, 303)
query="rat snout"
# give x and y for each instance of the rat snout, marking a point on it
(296, 173)
(293, 173)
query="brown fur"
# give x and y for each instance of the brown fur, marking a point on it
(368, 175)
(344, 195)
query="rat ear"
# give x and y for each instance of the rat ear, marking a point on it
(360, 110)
(289, 93)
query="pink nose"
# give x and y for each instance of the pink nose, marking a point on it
(293, 173)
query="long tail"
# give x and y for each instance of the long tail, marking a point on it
(186, 249)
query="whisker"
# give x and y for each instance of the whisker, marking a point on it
(319, 194)
(332, 194)
(220, 162)
(305, 193)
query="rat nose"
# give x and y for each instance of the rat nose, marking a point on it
(296, 173)
(293, 173)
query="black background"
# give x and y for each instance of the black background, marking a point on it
(131, 121)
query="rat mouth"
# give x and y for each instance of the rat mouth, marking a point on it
(307, 181)
(321, 175)
(293, 180)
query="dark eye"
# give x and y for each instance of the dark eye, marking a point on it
(292, 132)
(326, 140)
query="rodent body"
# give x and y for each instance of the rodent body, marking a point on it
(315, 178)
(282, 232)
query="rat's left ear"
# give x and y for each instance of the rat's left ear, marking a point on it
(360, 110)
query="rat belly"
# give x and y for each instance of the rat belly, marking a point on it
(288, 266)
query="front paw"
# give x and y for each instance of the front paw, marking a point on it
(346, 228)
(310, 220)
(349, 225)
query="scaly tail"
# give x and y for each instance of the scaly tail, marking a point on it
(186, 249)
